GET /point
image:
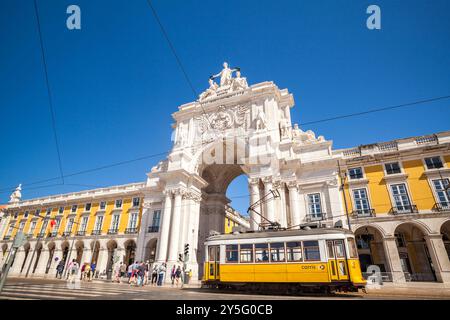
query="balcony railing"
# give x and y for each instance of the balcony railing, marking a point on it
(96, 232)
(131, 230)
(66, 233)
(81, 233)
(441, 206)
(412, 208)
(41, 235)
(315, 217)
(152, 229)
(363, 213)
(113, 231)
(6, 237)
(53, 234)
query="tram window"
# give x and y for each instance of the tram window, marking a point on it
(330, 249)
(339, 245)
(262, 252)
(294, 251)
(352, 248)
(311, 250)
(211, 253)
(277, 252)
(231, 253)
(246, 253)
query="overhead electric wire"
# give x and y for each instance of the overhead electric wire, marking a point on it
(49, 93)
(177, 58)
(9, 189)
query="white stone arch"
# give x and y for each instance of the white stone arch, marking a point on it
(239, 148)
(422, 226)
(375, 226)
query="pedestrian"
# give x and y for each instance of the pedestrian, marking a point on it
(60, 269)
(93, 269)
(140, 274)
(73, 270)
(154, 274)
(123, 270)
(117, 272)
(178, 275)
(82, 271)
(87, 272)
(172, 274)
(129, 271)
(161, 273)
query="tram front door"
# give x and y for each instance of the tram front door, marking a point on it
(213, 263)
(337, 261)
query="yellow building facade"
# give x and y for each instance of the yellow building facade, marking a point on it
(398, 200)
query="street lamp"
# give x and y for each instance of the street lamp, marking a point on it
(343, 178)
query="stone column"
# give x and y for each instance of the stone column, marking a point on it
(175, 228)
(18, 261)
(161, 252)
(268, 186)
(42, 263)
(282, 204)
(439, 257)
(102, 261)
(393, 259)
(140, 242)
(255, 219)
(193, 235)
(184, 221)
(294, 204)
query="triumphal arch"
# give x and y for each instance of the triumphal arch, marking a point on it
(235, 129)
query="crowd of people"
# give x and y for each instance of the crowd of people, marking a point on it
(137, 274)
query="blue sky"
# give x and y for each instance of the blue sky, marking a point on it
(115, 82)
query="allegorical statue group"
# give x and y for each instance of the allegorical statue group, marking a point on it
(227, 82)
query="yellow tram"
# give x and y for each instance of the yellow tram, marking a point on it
(294, 260)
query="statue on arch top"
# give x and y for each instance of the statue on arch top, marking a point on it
(225, 75)
(16, 196)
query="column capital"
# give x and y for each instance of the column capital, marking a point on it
(292, 184)
(253, 181)
(268, 179)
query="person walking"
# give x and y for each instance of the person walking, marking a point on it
(60, 269)
(161, 273)
(117, 272)
(93, 269)
(123, 270)
(172, 274)
(73, 270)
(178, 275)
(154, 274)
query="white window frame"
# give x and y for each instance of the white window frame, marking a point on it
(112, 222)
(400, 164)
(90, 206)
(69, 223)
(33, 226)
(314, 216)
(72, 207)
(82, 226)
(156, 212)
(444, 164)
(57, 224)
(21, 226)
(435, 192)
(133, 213)
(102, 217)
(356, 179)
(100, 205)
(115, 204)
(132, 202)
(352, 194)
(26, 214)
(59, 210)
(408, 193)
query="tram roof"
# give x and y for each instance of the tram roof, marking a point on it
(278, 233)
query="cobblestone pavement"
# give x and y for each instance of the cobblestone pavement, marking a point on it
(58, 289)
